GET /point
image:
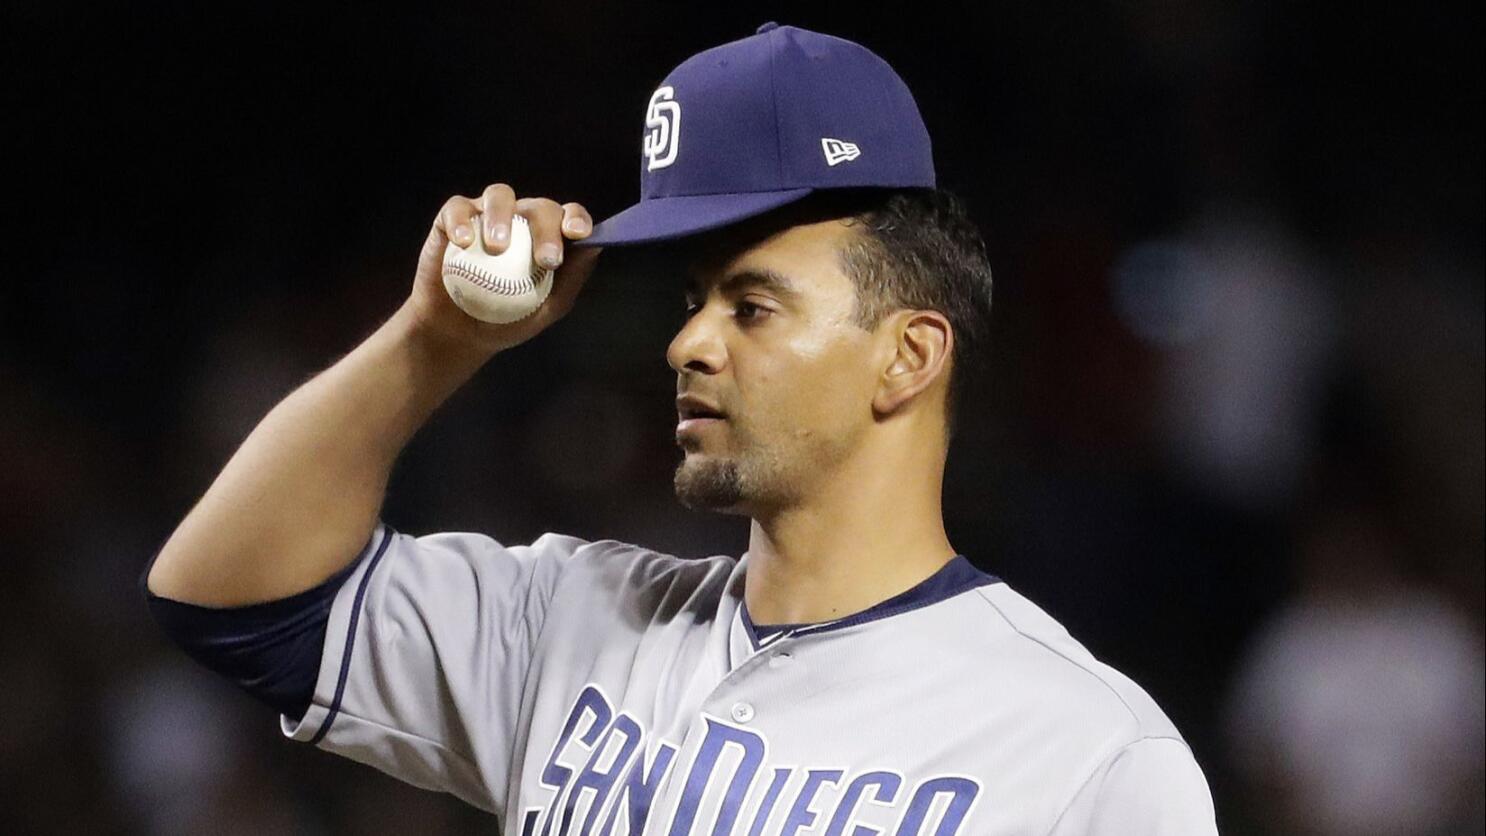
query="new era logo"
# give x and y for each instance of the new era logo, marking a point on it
(839, 150)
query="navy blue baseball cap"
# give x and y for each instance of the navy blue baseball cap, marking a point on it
(761, 122)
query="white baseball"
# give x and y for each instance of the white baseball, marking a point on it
(496, 288)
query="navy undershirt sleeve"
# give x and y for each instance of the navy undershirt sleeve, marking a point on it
(271, 650)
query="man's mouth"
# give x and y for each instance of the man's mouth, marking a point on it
(687, 426)
(695, 414)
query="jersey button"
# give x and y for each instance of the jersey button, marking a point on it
(742, 712)
(780, 660)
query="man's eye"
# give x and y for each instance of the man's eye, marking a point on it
(742, 310)
(748, 310)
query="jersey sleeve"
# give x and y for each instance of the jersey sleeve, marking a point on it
(426, 656)
(270, 650)
(1153, 787)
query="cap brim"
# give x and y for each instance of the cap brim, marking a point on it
(667, 218)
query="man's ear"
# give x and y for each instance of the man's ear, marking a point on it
(923, 343)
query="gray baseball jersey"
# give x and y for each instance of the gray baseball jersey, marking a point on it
(572, 687)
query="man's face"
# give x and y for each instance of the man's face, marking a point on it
(770, 343)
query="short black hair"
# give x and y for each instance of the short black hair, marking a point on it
(919, 250)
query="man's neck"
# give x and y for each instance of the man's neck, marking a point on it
(857, 543)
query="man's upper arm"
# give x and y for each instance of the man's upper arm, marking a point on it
(426, 655)
(1153, 787)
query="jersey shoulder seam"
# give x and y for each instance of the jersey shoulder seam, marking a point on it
(1061, 655)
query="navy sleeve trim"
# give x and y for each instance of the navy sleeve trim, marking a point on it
(271, 650)
(345, 672)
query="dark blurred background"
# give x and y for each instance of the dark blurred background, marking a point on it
(1232, 435)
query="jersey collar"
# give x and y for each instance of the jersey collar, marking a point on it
(957, 576)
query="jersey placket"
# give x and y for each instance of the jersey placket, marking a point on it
(693, 797)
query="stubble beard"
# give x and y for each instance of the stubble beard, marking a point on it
(709, 484)
(742, 481)
(754, 478)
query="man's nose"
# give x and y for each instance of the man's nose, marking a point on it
(698, 345)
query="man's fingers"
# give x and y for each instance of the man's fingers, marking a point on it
(490, 220)
(454, 220)
(489, 216)
(545, 219)
(499, 204)
(577, 224)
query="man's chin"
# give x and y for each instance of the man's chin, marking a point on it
(707, 483)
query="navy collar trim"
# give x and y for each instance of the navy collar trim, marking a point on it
(957, 576)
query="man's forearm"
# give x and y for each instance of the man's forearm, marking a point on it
(299, 498)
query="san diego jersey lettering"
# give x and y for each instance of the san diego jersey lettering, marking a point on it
(574, 687)
(600, 754)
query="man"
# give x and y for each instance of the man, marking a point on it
(850, 674)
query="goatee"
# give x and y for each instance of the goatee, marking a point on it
(708, 485)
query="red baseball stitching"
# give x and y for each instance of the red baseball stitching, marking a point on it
(496, 284)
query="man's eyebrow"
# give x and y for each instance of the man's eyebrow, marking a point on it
(759, 277)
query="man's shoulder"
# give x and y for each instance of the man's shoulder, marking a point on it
(602, 556)
(602, 574)
(1046, 668)
(615, 559)
(573, 571)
